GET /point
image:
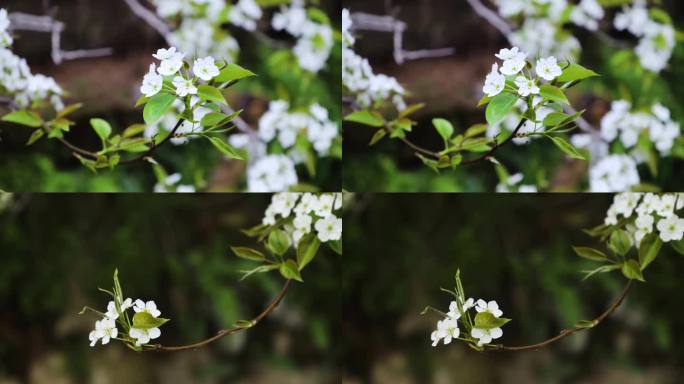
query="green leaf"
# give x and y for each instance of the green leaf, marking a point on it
(156, 107)
(35, 136)
(575, 72)
(307, 249)
(499, 107)
(678, 246)
(224, 147)
(336, 246)
(601, 269)
(27, 118)
(69, 109)
(590, 253)
(289, 270)
(379, 134)
(566, 147)
(248, 253)
(213, 119)
(133, 130)
(144, 320)
(243, 324)
(485, 320)
(370, 118)
(209, 93)
(648, 249)
(631, 270)
(259, 269)
(620, 242)
(411, 109)
(102, 128)
(278, 242)
(444, 128)
(233, 72)
(476, 130)
(586, 324)
(552, 93)
(554, 118)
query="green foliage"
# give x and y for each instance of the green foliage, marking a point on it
(499, 107)
(27, 118)
(144, 320)
(233, 72)
(369, 118)
(485, 320)
(575, 72)
(156, 107)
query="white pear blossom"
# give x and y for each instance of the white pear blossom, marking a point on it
(494, 82)
(548, 68)
(105, 330)
(671, 228)
(329, 228)
(143, 336)
(526, 86)
(514, 60)
(149, 307)
(245, 14)
(485, 336)
(272, 173)
(614, 173)
(152, 82)
(447, 330)
(205, 68)
(184, 86)
(171, 61)
(491, 307)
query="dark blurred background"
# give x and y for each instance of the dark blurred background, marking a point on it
(451, 87)
(515, 249)
(109, 87)
(56, 250)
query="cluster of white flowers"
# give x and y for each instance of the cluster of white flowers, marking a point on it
(245, 14)
(172, 184)
(276, 173)
(310, 211)
(359, 79)
(514, 61)
(16, 79)
(447, 328)
(657, 123)
(512, 119)
(314, 40)
(513, 184)
(657, 40)
(199, 27)
(105, 328)
(587, 14)
(171, 62)
(272, 173)
(653, 212)
(614, 173)
(278, 123)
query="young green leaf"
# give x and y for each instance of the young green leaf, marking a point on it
(552, 93)
(233, 72)
(631, 270)
(499, 107)
(586, 324)
(243, 324)
(224, 147)
(601, 269)
(259, 269)
(678, 246)
(27, 118)
(370, 118)
(35, 136)
(575, 72)
(444, 128)
(307, 249)
(619, 242)
(102, 128)
(379, 134)
(69, 109)
(209, 93)
(590, 253)
(486, 320)
(248, 253)
(566, 147)
(476, 130)
(156, 107)
(144, 320)
(289, 270)
(278, 242)
(336, 246)
(648, 249)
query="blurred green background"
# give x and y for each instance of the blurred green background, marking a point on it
(451, 87)
(56, 250)
(515, 249)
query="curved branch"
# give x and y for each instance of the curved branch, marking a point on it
(225, 332)
(155, 146)
(567, 332)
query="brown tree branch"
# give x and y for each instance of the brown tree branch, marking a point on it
(569, 331)
(225, 332)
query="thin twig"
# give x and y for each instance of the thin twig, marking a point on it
(493, 18)
(567, 332)
(154, 146)
(225, 332)
(489, 153)
(150, 17)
